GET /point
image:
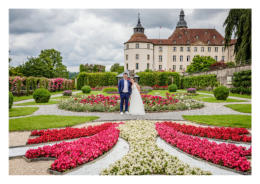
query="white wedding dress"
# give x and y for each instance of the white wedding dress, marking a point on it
(136, 102)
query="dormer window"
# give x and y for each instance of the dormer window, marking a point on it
(188, 41)
(197, 37)
(179, 36)
(185, 32)
(214, 36)
(208, 42)
(206, 32)
(174, 41)
(223, 42)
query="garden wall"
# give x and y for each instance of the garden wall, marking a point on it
(224, 76)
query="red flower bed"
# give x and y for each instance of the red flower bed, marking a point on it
(228, 155)
(157, 87)
(66, 133)
(100, 99)
(72, 154)
(158, 100)
(235, 134)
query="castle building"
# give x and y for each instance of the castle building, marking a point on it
(176, 52)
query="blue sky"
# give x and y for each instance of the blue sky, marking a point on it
(95, 36)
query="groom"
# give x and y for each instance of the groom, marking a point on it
(125, 90)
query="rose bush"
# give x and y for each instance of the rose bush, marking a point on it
(235, 134)
(72, 154)
(144, 156)
(51, 135)
(228, 155)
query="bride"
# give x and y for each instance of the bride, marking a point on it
(136, 102)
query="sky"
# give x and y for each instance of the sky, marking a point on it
(95, 36)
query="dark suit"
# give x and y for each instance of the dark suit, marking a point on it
(124, 97)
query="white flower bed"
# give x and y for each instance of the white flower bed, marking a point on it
(145, 157)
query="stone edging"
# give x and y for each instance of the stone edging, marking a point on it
(202, 160)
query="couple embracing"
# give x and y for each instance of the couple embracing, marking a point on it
(129, 89)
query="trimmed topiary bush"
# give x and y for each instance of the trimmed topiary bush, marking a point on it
(86, 89)
(172, 88)
(11, 100)
(41, 95)
(221, 93)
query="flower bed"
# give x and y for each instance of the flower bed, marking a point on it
(144, 156)
(235, 134)
(51, 135)
(157, 87)
(72, 154)
(228, 155)
(101, 103)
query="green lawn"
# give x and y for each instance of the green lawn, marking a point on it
(221, 120)
(214, 100)
(34, 103)
(22, 111)
(230, 94)
(47, 121)
(246, 108)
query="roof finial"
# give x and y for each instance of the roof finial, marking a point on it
(139, 21)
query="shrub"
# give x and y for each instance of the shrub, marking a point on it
(110, 89)
(200, 64)
(191, 90)
(218, 65)
(86, 89)
(200, 81)
(41, 95)
(242, 82)
(231, 64)
(11, 100)
(67, 93)
(221, 93)
(173, 88)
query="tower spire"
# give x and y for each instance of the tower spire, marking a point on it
(139, 28)
(182, 23)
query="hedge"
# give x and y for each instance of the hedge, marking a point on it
(159, 78)
(200, 81)
(96, 79)
(241, 82)
(26, 85)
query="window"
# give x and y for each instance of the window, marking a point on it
(188, 58)
(180, 67)
(209, 49)
(223, 58)
(216, 58)
(214, 36)
(127, 66)
(197, 37)
(174, 49)
(188, 42)
(160, 49)
(174, 67)
(208, 42)
(160, 67)
(137, 56)
(195, 49)
(137, 45)
(181, 58)
(127, 46)
(137, 66)
(160, 58)
(147, 66)
(148, 57)
(179, 36)
(229, 80)
(216, 49)
(181, 49)
(148, 46)
(174, 41)
(174, 58)
(223, 49)
(202, 49)
(126, 57)
(188, 49)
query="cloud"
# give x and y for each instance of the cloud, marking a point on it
(94, 36)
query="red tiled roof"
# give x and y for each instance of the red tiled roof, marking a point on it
(185, 36)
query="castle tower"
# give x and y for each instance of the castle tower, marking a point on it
(181, 23)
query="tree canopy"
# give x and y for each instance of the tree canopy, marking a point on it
(200, 64)
(117, 68)
(238, 23)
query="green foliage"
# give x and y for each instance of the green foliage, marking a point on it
(22, 111)
(231, 64)
(110, 89)
(159, 78)
(41, 95)
(91, 68)
(48, 64)
(200, 64)
(241, 82)
(96, 79)
(172, 88)
(117, 68)
(73, 75)
(221, 93)
(238, 23)
(200, 81)
(86, 89)
(11, 100)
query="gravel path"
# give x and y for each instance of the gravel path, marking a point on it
(191, 161)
